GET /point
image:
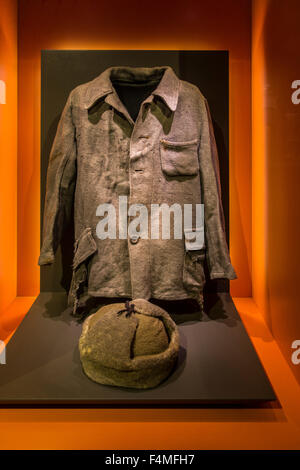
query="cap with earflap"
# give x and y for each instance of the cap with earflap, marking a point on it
(132, 344)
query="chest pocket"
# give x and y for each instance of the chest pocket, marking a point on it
(179, 158)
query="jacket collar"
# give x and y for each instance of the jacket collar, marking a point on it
(167, 89)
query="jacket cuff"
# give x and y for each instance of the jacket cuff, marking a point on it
(228, 273)
(46, 258)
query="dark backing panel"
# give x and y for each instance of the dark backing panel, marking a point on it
(64, 70)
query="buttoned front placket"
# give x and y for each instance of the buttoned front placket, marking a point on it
(141, 144)
(140, 176)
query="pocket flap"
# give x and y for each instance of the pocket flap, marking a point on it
(85, 246)
(179, 158)
(194, 238)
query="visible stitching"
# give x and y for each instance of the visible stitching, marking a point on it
(169, 143)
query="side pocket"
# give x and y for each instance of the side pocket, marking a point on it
(193, 265)
(84, 247)
(193, 270)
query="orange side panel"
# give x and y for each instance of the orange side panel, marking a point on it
(8, 153)
(276, 169)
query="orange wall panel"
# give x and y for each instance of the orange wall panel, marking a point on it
(276, 169)
(8, 154)
(173, 25)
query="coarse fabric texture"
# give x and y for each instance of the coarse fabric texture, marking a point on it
(158, 149)
(136, 350)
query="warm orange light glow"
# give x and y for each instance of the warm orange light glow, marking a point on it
(276, 169)
(8, 153)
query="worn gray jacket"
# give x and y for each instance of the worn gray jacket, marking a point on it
(159, 148)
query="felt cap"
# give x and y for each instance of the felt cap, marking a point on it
(133, 344)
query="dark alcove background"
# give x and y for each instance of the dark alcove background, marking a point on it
(61, 71)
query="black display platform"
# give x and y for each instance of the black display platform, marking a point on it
(217, 362)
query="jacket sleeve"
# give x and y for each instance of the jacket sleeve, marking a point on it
(217, 253)
(60, 184)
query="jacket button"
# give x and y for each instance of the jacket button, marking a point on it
(134, 239)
